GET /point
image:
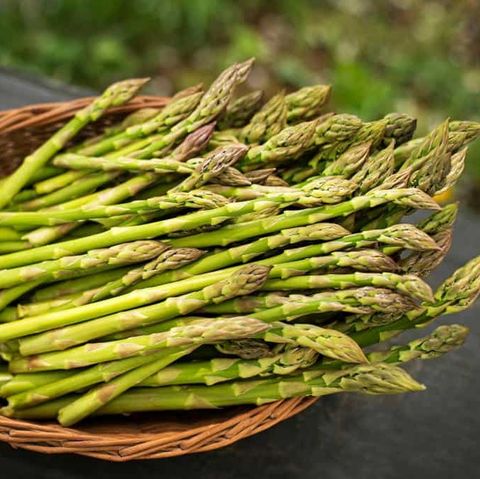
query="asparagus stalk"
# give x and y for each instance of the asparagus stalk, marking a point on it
(268, 122)
(53, 384)
(367, 379)
(75, 286)
(442, 340)
(408, 284)
(191, 145)
(291, 261)
(243, 281)
(231, 177)
(198, 199)
(408, 197)
(239, 112)
(217, 370)
(9, 295)
(166, 260)
(329, 190)
(67, 266)
(201, 332)
(176, 110)
(398, 236)
(101, 395)
(349, 162)
(157, 165)
(460, 134)
(374, 171)
(411, 198)
(457, 165)
(246, 348)
(288, 144)
(343, 300)
(214, 164)
(456, 294)
(116, 94)
(400, 128)
(424, 263)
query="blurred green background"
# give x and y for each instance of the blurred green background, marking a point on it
(420, 57)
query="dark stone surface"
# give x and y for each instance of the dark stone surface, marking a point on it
(433, 434)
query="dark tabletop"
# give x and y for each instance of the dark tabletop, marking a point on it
(433, 434)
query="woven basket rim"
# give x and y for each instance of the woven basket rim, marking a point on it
(51, 438)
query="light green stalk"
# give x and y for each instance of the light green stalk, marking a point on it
(198, 199)
(456, 294)
(214, 371)
(68, 266)
(243, 281)
(201, 332)
(366, 379)
(116, 94)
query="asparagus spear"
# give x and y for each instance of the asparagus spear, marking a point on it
(408, 197)
(267, 122)
(52, 384)
(457, 165)
(201, 332)
(192, 144)
(328, 189)
(243, 281)
(126, 253)
(75, 286)
(166, 260)
(411, 198)
(456, 294)
(398, 236)
(400, 128)
(116, 94)
(258, 177)
(214, 164)
(442, 340)
(424, 263)
(288, 144)
(104, 393)
(158, 165)
(198, 199)
(441, 220)
(408, 284)
(460, 134)
(349, 162)
(348, 299)
(9, 295)
(217, 370)
(367, 379)
(246, 348)
(291, 261)
(239, 112)
(231, 177)
(307, 103)
(176, 110)
(374, 171)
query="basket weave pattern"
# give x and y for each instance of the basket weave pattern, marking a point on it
(145, 436)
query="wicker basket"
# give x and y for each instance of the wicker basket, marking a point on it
(145, 436)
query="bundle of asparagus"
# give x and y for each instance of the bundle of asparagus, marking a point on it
(224, 251)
